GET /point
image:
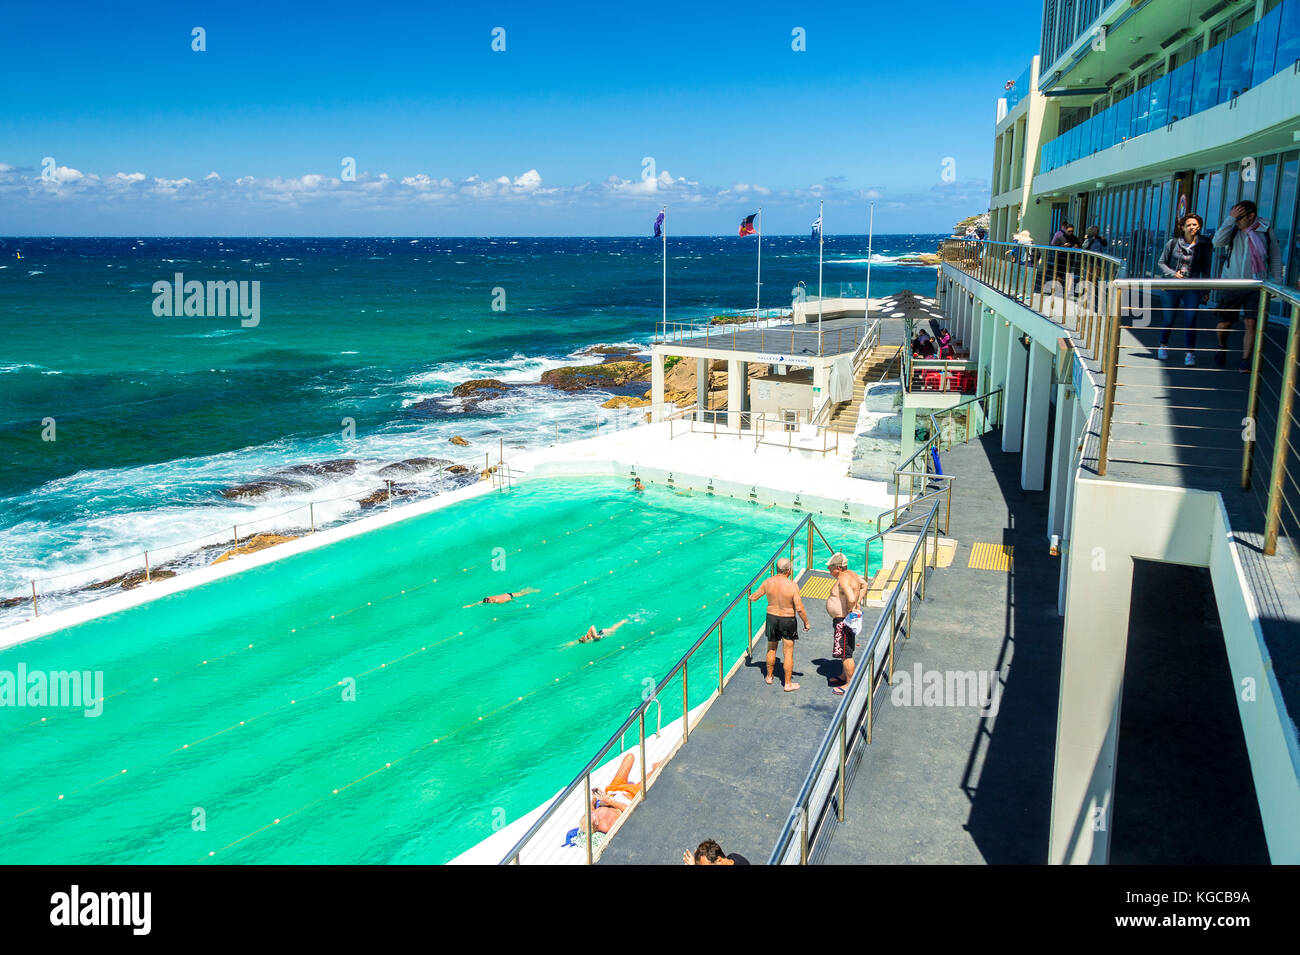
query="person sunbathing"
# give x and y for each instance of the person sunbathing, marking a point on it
(620, 784)
(503, 598)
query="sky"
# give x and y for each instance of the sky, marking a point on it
(590, 119)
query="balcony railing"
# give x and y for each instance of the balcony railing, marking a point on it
(1018, 91)
(1241, 62)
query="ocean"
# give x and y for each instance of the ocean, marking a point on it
(122, 427)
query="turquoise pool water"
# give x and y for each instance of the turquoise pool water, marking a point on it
(342, 706)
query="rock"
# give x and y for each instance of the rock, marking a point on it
(458, 441)
(375, 498)
(255, 543)
(610, 375)
(458, 469)
(412, 466)
(613, 353)
(259, 489)
(131, 580)
(626, 401)
(485, 387)
(337, 466)
(13, 602)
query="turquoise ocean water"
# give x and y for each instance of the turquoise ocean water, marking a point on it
(153, 416)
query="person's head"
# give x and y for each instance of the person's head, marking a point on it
(709, 852)
(837, 564)
(1094, 231)
(1067, 228)
(1190, 225)
(1249, 212)
(784, 566)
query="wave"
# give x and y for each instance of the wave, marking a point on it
(20, 366)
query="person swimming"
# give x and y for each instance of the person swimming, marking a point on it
(593, 634)
(503, 598)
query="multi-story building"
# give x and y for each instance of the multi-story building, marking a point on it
(1137, 111)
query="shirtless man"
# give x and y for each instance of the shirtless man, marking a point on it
(592, 634)
(503, 598)
(846, 597)
(783, 602)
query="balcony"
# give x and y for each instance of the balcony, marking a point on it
(1239, 63)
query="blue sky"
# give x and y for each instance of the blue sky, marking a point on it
(549, 137)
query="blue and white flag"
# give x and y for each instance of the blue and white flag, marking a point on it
(659, 225)
(817, 227)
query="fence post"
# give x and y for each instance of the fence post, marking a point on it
(235, 528)
(645, 774)
(147, 578)
(686, 707)
(720, 671)
(586, 795)
(311, 515)
(842, 761)
(36, 611)
(1278, 474)
(809, 564)
(1252, 401)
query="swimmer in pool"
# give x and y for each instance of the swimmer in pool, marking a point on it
(593, 634)
(503, 598)
(638, 486)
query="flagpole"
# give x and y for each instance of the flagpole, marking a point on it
(664, 236)
(758, 285)
(871, 228)
(821, 235)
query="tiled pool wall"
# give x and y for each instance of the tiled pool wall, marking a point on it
(796, 501)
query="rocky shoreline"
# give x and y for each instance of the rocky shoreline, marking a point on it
(622, 369)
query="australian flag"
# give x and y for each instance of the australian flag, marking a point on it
(659, 225)
(817, 227)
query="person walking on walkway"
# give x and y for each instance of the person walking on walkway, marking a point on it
(783, 602)
(845, 608)
(1252, 253)
(1187, 255)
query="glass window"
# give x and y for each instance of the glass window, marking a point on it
(1124, 119)
(1288, 35)
(1200, 199)
(1180, 91)
(1214, 199)
(1205, 92)
(1238, 51)
(1266, 46)
(1232, 187)
(1159, 103)
(1267, 187)
(1284, 217)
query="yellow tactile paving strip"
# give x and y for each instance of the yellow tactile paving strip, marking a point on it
(817, 587)
(990, 557)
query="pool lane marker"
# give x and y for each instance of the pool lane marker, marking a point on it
(373, 669)
(306, 626)
(407, 755)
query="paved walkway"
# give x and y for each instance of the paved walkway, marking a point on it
(949, 784)
(738, 775)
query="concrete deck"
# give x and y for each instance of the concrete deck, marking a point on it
(953, 784)
(737, 776)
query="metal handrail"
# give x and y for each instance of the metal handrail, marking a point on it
(920, 499)
(638, 714)
(837, 736)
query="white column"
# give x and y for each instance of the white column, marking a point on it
(998, 356)
(821, 383)
(984, 354)
(656, 384)
(735, 391)
(1014, 420)
(701, 387)
(1038, 411)
(1063, 442)
(975, 330)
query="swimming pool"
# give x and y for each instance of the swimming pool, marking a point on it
(341, 705)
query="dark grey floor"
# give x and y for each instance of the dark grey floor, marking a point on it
(736, 778)
(947, 784)
(1182, 755)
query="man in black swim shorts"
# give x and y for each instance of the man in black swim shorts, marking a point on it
(783, 602)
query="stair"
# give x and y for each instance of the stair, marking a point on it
(885, 580)
(844, 416)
